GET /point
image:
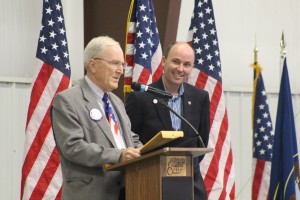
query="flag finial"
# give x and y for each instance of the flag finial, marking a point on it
(282, 46)
(255, 52)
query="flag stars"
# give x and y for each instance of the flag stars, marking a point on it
(64, 42)
(54, 46)
(147, 30)
(202, 25)
(209, 57)
(212, 31)
(62, 31)
(139, 34)
(206, 46)
(255, 134)
(48, 11)
(270, 146)
(44, 50)
(198, 50)
(200, 61)
(265, 115)
(207, 10)
(142, 7)
(151, 44)
(50, 22)
(142, 45)
(266, 137)
(66, 54)
(269, 124)
(262, 129)
(145, 18)
(200, 14)
(60, 19)
(67, 66)
(261, 106)
(262, 152)
(263, 93)
(258, 143)
(144, 56)
(196, 40)
(58, 7)
(217, 54)
(42, 38)
(204, 35)
(258, 121)
(211, 67)
(267, 102)
(210, 21)
(52, 34)
(56, 58)
(195, 29)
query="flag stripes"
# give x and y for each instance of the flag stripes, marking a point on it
(38, 165)
(143, 48)
(41, 172)
(216, 168)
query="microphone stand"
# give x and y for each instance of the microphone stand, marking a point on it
(160, 100)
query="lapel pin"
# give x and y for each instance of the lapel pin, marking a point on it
(155, 101)
(95, 114)
(189, 102)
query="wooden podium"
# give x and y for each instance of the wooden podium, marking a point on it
(165, 174)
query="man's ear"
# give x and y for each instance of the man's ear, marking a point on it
(92, 66)
(163, 61)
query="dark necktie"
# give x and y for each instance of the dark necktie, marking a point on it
(110, 115)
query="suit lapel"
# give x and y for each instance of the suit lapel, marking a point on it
(187, 108)
(91, 103)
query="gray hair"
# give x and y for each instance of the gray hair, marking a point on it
(96, 45)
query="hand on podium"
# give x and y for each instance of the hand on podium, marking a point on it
(129, 153)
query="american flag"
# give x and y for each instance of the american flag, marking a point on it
(217, 168)
(143, 48)
(263, 138)
(41, 172)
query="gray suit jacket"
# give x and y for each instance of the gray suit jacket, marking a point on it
(85, 144)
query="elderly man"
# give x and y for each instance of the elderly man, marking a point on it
(91, 127)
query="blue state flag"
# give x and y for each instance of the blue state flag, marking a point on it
(285, 170)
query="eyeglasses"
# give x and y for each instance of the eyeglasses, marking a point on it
(114, 63)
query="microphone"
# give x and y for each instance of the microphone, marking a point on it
(188, 123)
(145, 88)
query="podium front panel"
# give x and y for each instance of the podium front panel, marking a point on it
(177, 188)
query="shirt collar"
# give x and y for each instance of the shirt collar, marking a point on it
(96, 90)
(179, 92)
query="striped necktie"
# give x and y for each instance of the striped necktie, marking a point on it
(110, 115)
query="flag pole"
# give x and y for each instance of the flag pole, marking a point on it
(257, 69)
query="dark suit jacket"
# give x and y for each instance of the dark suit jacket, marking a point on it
(148, 118)
(85, 144)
